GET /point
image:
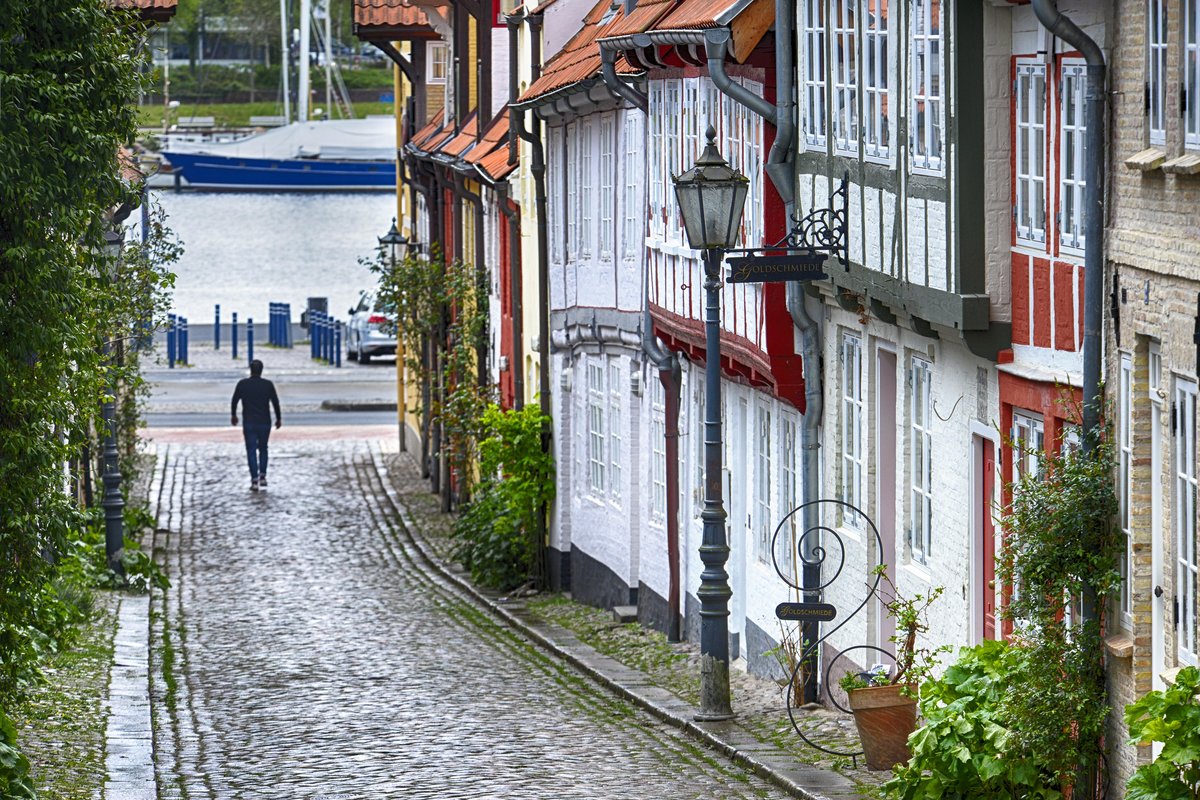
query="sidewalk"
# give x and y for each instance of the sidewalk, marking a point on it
(760, 737)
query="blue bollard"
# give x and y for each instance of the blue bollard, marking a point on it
(217, 327)
(312, 334)
(249, 339)
(233, 335)
(337, 345)
(181, 341)
(171, 341)
(287, 325)
(273, 326)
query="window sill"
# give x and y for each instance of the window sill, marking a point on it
(1119, 645)
(1147, 160)
(1186, 164)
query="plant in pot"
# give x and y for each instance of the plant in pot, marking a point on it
(884, 700)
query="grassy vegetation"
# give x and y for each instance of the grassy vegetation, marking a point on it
(61, 723)
(237, 115)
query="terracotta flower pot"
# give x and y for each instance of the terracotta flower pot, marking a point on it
(884, 718)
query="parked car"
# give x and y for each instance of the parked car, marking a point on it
(365, 334)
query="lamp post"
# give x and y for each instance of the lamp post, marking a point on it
(711, 198)
(395, 239)
(113, 503)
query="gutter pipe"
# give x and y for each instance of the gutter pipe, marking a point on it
(1095, 112)
(608, 70)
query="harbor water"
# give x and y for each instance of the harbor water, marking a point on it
(246, 250)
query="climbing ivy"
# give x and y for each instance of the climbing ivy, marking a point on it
(69, 77)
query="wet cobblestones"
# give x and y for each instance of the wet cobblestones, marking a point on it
(304, 651)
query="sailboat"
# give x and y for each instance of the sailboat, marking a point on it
(305, 155)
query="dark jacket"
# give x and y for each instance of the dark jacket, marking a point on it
(255, 393)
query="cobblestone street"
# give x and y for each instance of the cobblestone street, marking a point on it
(305, 650)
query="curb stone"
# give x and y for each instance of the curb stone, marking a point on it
(764, 758)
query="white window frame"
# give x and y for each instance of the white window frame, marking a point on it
(789, 493)
(587, 188)
(853, 430)
(1157, 46)
(630, 243)
(596, 403)
(1187, 568)
(844, 62)
(556, 187)
(920, 462)
(763, 482)
(439, 62)
(1028, 438)
(615, 430)
(1125, 484)
(1191, 70)
(608, 192)
(925, 36)
(874, 64)
(1072, 154)
(658, 449)
(813, 98)
(1029, 97)
(573, 140)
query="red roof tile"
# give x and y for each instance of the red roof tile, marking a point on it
(152, 10)
(465, 138)
(580, 57)
(694, 15)
(495, 134)
(431, 132)
(496, 165)
(392, 20)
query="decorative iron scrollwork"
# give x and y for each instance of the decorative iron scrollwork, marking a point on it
(812, 549)
(814, 236)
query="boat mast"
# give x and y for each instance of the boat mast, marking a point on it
(285, 61)
(305, 34)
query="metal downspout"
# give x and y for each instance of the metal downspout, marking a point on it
(538, 168)
(513, 215)
(671, 376)
(1095, 111)
(513, 21)
(608, 70)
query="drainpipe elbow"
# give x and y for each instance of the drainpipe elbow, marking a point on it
(608, 70)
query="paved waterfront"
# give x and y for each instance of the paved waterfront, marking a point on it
(304, 651)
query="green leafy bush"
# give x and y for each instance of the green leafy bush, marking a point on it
(14, 767)
(968, 746)
(497, 531)
(1172, 717)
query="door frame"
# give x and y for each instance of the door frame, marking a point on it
(979, 434)
(886, 518)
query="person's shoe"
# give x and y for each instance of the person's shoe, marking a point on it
(254, 484)
(262, 481)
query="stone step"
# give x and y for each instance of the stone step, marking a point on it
(623, 614)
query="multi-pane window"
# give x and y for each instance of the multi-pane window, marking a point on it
(1156, 69)
(788, 493)
(658, 448)
(1030, 99)
(614, 430)
(926, 64)
(1191, 71)
(764, 520)
(556, 185)
(439, 59)
(920, 464)
(845, 77)
(1073, 156)
(813, 48)
(875, 52)
(574, 206)
(1028, 438)
(1125, 480)
(1187, 569)
(597, 462)
(608, 169)
(587, 189)
(853, 440)
(656, 160)
(633, 176)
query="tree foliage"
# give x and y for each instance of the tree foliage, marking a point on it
(68, 80)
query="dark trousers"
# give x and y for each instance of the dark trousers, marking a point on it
(256, 436)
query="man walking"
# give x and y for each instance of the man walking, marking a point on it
(255, 392)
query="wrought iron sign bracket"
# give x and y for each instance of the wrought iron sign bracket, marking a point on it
(800, 255)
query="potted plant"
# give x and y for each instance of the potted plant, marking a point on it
(883, 700)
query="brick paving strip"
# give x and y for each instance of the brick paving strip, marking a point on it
(763, 757)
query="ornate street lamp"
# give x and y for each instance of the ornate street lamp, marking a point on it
(113, 503)
(711, 198)
(394, 239)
